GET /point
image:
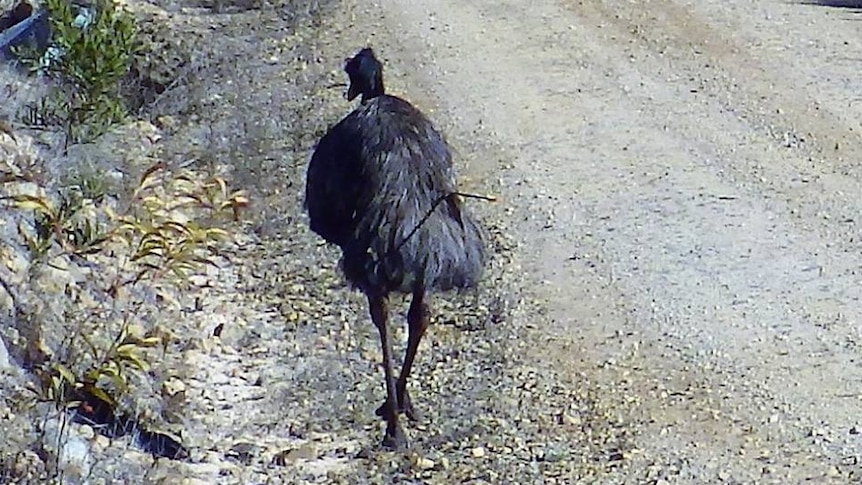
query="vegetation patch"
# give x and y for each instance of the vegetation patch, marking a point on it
(91, 53)
(100, 271)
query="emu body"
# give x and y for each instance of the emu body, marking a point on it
(381, 186)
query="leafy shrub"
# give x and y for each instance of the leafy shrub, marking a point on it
(89, 59)
(170, 230)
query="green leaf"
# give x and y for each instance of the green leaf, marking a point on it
(65, 373)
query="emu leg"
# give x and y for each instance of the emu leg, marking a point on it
(394, 438)
(417, 324)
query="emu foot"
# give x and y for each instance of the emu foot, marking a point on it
(405, 407)
(395, 439)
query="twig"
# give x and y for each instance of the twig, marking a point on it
(434, 207)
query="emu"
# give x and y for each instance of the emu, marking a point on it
(380, 185)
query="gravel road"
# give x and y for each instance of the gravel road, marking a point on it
(683, 177)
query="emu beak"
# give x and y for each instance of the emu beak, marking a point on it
(352, 92)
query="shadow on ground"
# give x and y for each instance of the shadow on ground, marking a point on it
(855, 5)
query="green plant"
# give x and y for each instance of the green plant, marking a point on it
(92, 183)
(89, 61)
(107, 373)
(161, 239)
(68, 224)
(172, 227)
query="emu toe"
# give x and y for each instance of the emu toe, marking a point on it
(395, 440)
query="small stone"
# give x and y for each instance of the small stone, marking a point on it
(815, 432)
(244, 452)
(102, 442)
(478, 452)
(4, 356)
(304, 452)
(166, 122)
(28, 464)
(173, 386)
(423, 463)
(372, 355)
(571, 420)
(87, 432)
(74, 458)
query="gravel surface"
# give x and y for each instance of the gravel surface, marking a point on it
(684, 174)
(672, 294)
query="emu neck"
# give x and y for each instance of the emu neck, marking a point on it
(375, 92)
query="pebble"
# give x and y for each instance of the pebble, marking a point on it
(75, 459)
(478, 452)
(304, 452)
(87, 432)
(4, 356)
(102, 442)
(173, 386)
(571, 420)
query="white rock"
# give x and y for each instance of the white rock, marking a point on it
(4, 356)
(75, 460)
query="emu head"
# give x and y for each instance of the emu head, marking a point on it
(366, 75)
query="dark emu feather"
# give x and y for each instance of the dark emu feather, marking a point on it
(381, 186)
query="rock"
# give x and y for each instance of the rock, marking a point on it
(87, 432)
(75, 460)
(4, 356)
(101, 442)
(571, 419)
(65, 447)
(423, 463)
(244, 452)
(173, 386)
(28, 465)
(303, 452)
(167, 123)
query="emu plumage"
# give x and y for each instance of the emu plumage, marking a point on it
(381, 186)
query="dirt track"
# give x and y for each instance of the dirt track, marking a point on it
(684, 178)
